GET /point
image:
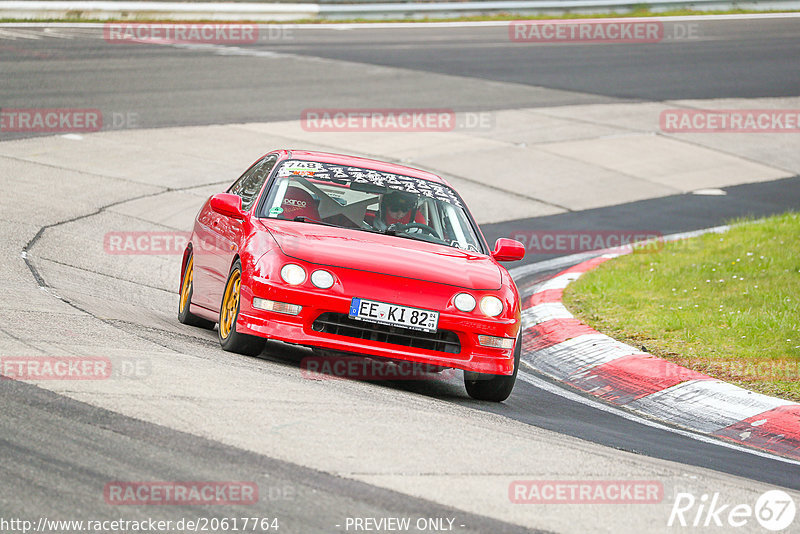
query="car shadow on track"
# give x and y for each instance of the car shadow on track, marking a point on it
(447, 384)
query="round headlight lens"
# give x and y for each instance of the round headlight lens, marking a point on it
(293, 274)
(491, 306)
(322, 279)
(464, 302)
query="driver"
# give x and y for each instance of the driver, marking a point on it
(398, 207)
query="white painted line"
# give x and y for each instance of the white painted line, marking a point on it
(705, 405)
(14, 35)
(223, 50)
(544, 312)
(558, 282)
(710, 192)
(564, 261)
(158, 7)
(339, 26)
(625, 414)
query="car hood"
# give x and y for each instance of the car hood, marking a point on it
(391, 255)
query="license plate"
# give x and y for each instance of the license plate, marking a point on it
(394, 314)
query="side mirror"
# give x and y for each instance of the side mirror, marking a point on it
(227, 204)
(508, 250)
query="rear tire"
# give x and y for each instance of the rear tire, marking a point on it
(184, 303)
(494, 388)
(229, 338)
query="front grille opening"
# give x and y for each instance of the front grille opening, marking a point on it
(340, 324)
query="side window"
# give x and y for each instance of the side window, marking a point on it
(250, 183)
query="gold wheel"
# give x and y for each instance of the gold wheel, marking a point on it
(186, 288)
(230, 304)
(229, 338)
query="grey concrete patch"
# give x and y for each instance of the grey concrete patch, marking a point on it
(680, 166)
(548, 178)
(85, 245)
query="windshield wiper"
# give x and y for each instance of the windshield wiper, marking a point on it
(406, 235)
(303, 218)
(370, 230)
(416, 236)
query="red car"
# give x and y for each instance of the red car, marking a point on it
(351, 255)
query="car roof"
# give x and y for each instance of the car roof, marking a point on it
(355, 161)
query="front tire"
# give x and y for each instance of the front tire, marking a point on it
(494, 388)
(187, 288)
(229, 338)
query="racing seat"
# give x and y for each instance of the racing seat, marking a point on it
(298, 202)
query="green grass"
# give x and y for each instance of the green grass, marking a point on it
(640, 12)
(727, 305)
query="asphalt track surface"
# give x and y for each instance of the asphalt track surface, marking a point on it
(58, 456)
(166, 86)
(44, 433)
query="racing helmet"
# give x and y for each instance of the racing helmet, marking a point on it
(406, 202)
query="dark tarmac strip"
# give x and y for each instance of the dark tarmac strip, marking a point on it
(270, 80)
(666, 215)
(59, 454)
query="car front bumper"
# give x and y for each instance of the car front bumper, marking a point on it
(301, 329)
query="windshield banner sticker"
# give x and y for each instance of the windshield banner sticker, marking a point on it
(343, 173)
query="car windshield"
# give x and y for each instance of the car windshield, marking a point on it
(370, 200)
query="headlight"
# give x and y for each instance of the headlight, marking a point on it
(322, 279)
(293, 274)
(464, 302)
(491, 306)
